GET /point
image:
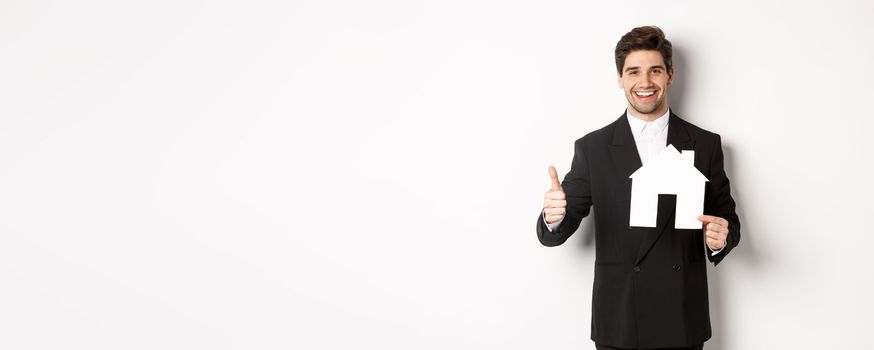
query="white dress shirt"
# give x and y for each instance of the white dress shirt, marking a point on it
(651, 138)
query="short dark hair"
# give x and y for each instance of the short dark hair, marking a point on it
(643, 38)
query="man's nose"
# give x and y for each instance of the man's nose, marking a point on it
(646, 79)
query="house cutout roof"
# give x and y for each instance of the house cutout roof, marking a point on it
(670, 166)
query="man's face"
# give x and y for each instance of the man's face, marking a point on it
(645, 81)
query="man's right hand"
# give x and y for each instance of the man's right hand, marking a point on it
(554, 203)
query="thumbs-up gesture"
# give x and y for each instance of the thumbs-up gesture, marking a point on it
(554, 203)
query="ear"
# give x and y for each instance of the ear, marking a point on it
(671, 76)
(619, 81)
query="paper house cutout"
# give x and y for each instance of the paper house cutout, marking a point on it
(670, 172)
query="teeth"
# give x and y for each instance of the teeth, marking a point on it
(644, 93)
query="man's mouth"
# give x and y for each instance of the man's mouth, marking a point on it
(644, 95)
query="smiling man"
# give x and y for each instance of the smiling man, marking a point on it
(650, 287)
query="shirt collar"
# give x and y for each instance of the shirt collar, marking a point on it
(638, 124)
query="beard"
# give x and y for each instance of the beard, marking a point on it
(646, 108)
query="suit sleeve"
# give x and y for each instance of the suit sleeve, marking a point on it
(578, 194)
(720, 203)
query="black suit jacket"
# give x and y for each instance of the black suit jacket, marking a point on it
(650, 287)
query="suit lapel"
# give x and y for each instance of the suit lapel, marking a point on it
(623, 150)
(625, 159)
(679, 137)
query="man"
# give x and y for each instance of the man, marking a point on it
(650, 284)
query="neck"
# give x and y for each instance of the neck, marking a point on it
(648, 117)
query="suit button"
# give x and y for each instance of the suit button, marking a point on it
(676, 267)
(637, 269)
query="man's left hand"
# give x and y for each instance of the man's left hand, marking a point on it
(715, 231)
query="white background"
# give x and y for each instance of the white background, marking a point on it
(350, 174)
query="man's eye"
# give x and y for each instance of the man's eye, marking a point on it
(634, 72)
(657, 71)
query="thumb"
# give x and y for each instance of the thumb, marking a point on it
(556, 186)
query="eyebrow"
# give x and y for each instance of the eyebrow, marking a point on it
(636, 67)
